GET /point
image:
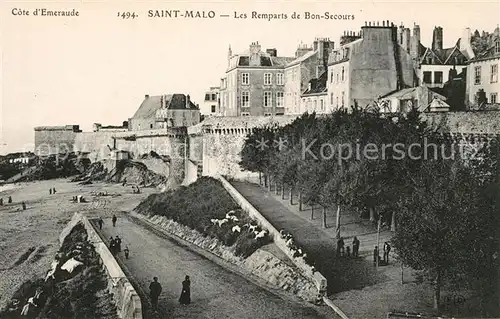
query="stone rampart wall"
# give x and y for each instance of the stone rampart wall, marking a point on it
(126, 299)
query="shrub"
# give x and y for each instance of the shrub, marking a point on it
(195, 205)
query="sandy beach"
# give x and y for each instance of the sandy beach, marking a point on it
(29, 239)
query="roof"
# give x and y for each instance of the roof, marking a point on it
(302, 58)
(443, 56)
(409, 93)
(151, 104)
(332, 58)
(487, 54)
(317, 85)
(266, 60)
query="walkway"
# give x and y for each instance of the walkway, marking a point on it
(216, 292)
(342, 273)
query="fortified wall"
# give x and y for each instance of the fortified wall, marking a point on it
(213, 147)
(55, 139)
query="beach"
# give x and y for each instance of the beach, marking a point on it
(29, 239)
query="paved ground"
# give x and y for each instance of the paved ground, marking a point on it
(215, 292)
(355, 285)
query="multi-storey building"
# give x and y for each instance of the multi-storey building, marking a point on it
(211, 105)
(314, 99)
(482, 74)
(372, 64)
(254, 83)
(434, 63)
(309, 63)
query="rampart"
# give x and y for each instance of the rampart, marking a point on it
(126, 299)
(55, 139)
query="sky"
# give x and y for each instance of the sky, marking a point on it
(96, 68)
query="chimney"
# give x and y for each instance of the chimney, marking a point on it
(146, 96)
(272, 52)
(315, 44)
(188, 101)
(255, 54)
(437, 39)
(406, 39)
(415, 43)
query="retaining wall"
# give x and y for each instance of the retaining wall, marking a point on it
(127, 301)
(317, 277)
(261, 263)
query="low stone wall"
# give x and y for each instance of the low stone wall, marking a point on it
(261, 263)
(316, 276)
(126, 299)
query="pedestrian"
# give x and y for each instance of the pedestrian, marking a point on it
(23, 205)
(9, 200)
(118, 242)
(54, 190)
(126, 251)
(50, 191)
(185, 298)
(100, 222)
(348, 251)
(154, 292)
(124, 182)
(387, 250)
(114, 220)
(355, 247)
(112, 245)
(1, 201)
(340, 247)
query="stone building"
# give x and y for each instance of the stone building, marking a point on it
(211, 103)
(253, 83)
(435, 62)
(367, 66)
(165, 111)
(309, 63)
(314, 99)
(482, 86)
(98, 127)
(55, 139)
(420, 98)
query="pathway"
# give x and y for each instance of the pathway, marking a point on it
(342, 273)
(216, 292)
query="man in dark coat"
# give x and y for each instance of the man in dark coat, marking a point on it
(100, 222)
(112, 245)
(387, 250)
(114, 220)
(118, 242)
(340, 247)
(355, 247)
(185, 298)
(154, 292)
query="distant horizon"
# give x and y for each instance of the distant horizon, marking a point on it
(97, 68)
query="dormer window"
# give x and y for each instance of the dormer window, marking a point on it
(497, 46)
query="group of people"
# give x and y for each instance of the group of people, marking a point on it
(9, 200)
(342, 250)
(115, 246)
(52, 190)
(155, 291)
(376, 255)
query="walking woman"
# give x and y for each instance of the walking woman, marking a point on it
(185, 298)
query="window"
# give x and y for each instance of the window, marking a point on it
(279, 79)
(267, 99)
(245, 99)
(150, 125)
(214, 97)
(279, 99)
(267, 78)
(267, 114)
(343, 94)
(245, 114)
(331, 98)
(342, 74)
(497, 47)
(427, 77)
(477, 75)
(245, 78)
(207, 97)
(331, 76)
(438, 77)
(213, 108)
(315, 105)
(337, 100)
(493, 98)
(321, 105)
(494, 73)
